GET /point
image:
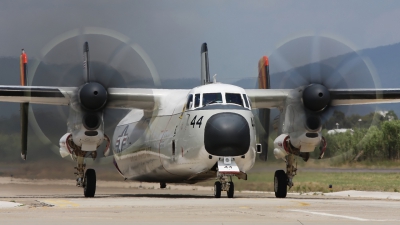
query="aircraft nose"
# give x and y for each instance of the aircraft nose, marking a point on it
(227, 134)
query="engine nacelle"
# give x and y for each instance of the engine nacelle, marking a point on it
(285, 144)
(280, 144)
(88, 140)
(65, 148)
(306, 142)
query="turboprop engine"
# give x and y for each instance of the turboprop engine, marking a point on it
(301, 128)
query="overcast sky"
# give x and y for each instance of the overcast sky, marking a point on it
(238, 33)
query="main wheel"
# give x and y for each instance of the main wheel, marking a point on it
(89, 188)
(280, 184)
(217, 189)
(231, 190)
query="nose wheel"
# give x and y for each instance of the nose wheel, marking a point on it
(89, 183)
(217, 189)
(223, 185)
(231, 190)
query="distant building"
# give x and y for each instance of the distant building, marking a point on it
(385, 114)
(342, 130)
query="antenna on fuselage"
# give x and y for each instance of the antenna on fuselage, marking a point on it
(205, 70)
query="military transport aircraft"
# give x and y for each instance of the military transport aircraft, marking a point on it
(187, 136)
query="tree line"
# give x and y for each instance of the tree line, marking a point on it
(375, 136)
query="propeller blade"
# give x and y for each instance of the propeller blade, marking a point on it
(86, 65)
(24, 129)
(205, 70)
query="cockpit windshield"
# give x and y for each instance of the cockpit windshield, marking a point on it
(234, 98)
(211, 98)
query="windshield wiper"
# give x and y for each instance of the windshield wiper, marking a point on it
(211, 102)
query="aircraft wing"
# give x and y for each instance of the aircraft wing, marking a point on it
(126, 98)
(363, 96)
(275, 98)
(267, 98)
(139, 98)
(142, 98)
(37, 94)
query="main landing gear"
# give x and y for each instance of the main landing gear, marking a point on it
(89, 183)
(282, 179)
(87, 179)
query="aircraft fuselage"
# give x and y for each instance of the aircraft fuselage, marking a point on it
(169, 145)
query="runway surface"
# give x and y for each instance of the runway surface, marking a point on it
(59, 202)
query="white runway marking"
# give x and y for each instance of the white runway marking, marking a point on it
(8, 204)
(334, 215)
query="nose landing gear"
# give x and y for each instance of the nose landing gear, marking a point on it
(227, 168)
(223, 185)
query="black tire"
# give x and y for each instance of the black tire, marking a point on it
(89, 188)
(231, 190)
(280, 184)
(217, 189)
(163, 185)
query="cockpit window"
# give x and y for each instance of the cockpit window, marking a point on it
(234, 98)
(245, 100)
(189, 102)
(196, 100)
(211, 98)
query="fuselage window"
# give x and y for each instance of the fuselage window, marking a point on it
(211, 98)
(189, 102)
(245, 100)
(196, 100)
(234, 98)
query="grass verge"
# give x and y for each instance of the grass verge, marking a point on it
(320, 181)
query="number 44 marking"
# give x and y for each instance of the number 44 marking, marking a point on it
(193, 123)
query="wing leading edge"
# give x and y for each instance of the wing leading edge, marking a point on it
(275, 98)
(37, 94)
(267, 98)
(147, 99)
(364, 96)
(124, 98)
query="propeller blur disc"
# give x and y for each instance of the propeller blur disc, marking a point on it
(325, 61)
(116, 61)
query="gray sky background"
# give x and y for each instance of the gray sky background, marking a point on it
(238, 33)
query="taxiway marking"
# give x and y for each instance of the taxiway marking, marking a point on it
(4, 204)
(331, 215)
(338, 216)
(61, 203)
